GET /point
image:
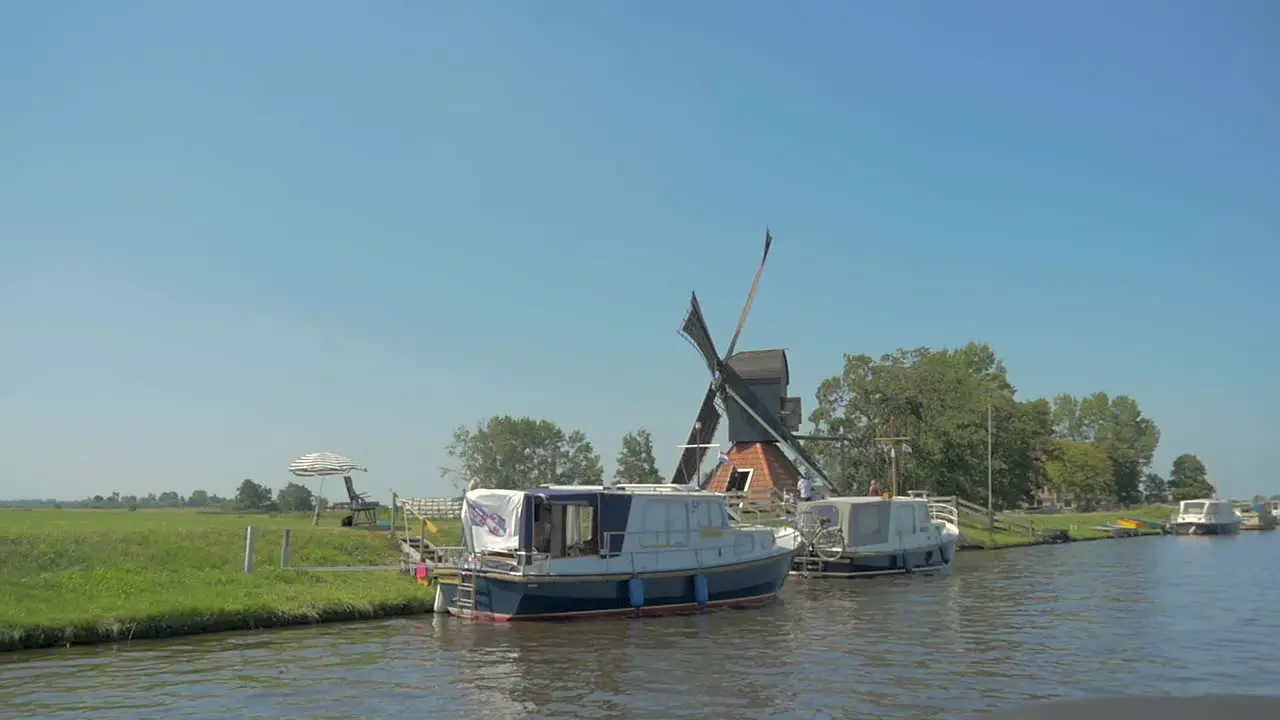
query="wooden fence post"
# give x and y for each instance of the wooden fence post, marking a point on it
(393, 513)
(248, 550)
(284, 548)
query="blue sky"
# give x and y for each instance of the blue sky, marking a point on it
(232, 233)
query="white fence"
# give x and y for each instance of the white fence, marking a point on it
(432, 508)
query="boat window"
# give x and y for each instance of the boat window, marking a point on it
(677, 523)
(653, 533)
(709, 515)
(542, 528)
(666, 523)
(922, 517)
(869, 523)
(814, 516)
(1192, 508)
(572, 531)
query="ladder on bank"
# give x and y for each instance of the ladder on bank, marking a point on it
(465, 598)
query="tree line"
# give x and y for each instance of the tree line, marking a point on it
(510, 453)
(1091, 450)
(249, 496)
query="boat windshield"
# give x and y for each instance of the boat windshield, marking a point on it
(1192, 508)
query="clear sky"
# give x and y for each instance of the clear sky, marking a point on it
(232, 233)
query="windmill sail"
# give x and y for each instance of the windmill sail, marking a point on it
(703, 433)
(751, 296)
(694, 329)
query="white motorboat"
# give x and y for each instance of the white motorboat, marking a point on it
(1257, 516)
(1206, 517)
(868, 536)
(567, 552)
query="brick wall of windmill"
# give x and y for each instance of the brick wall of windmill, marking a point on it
(771, 470)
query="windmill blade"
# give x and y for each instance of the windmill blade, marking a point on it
(751, 296)
(695, 331)
(703, 433)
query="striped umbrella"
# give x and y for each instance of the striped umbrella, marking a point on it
(324, 464)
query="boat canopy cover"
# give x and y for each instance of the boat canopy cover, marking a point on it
(492, 520)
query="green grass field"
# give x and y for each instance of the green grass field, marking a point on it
(1078, 525)
(82, 576)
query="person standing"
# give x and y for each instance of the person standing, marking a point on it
(874, 490)
(805, 486)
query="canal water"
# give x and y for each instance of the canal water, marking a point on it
(1160, 615)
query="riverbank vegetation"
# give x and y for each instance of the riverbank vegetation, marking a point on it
(1079, 526)
(1091, 451)
(1084, 452)
(83, 576)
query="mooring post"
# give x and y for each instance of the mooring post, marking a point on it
(284, 548)
(248, 550)
(393, 513)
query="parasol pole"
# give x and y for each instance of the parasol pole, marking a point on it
(315, 519)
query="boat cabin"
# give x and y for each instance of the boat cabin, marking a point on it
(1206, 511)
(550, 526)
(869, 522)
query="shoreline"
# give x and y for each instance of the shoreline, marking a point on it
(16, 639)
(1039, 543)
(105, 578)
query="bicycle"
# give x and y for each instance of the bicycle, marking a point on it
(824, 541)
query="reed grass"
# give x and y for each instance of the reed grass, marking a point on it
(86, 576)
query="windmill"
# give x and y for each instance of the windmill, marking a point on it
(750, 387)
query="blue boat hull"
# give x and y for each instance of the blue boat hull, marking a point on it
(924, 560)
(501, 598)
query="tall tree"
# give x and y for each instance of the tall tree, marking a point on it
(199, 498)
(1116, 426)
(1155, 489)
(249, 496)
(511, 453)
(1080, 471)
(939, 399)
(636, 462)
(295, 497)
(581, 464)
(1189, 479)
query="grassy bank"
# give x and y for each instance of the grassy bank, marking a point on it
(1080, 526)
(85, 576)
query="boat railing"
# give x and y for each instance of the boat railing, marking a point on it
(416, 514)
(943, 509)
(759, 508)
(445, 555)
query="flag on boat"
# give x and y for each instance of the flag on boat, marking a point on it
(722, 459)
(323, 464)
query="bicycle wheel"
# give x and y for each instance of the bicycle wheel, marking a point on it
(829, 544)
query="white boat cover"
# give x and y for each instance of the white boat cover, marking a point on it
(491, 519)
